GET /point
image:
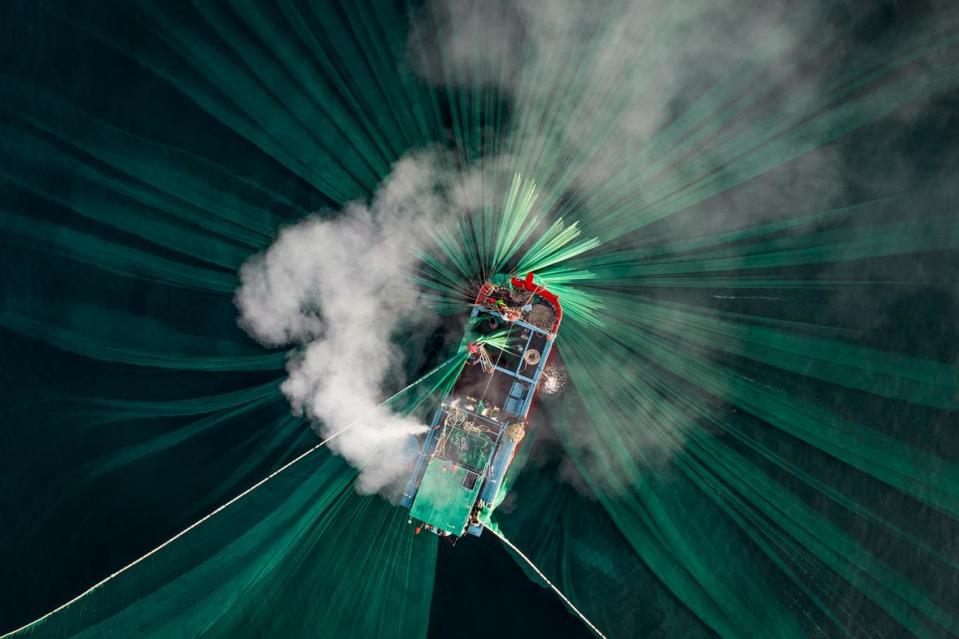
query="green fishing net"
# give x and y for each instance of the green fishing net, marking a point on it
(757, 434)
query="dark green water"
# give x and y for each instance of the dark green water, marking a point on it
(65, 526)
(144, 157)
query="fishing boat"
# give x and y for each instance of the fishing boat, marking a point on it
(458, 477)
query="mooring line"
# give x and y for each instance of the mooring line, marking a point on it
(546, 579)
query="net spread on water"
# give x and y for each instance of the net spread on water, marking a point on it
(755, 438)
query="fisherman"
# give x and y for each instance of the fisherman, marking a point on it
(474, 353)
(507, 312)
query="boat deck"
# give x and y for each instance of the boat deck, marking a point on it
(473, 436)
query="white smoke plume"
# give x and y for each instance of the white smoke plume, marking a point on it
(593, 85)
(336, 288)
(622, 110)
